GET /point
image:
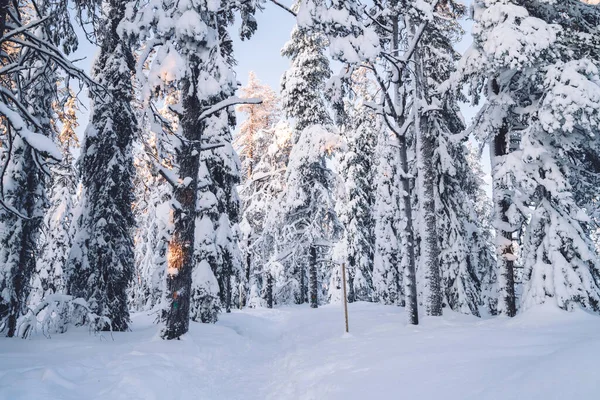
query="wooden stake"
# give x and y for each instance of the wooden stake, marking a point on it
(345, 297)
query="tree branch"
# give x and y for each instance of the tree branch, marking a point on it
(284, 7)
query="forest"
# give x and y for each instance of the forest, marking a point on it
(425, 186)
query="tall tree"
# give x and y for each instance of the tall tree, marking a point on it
(536, 89)
(101, 261)
(30, 62)
(57, 239)
(253, 141)
(387, 274)
(357, 168)
(193, 38)
(307, 226)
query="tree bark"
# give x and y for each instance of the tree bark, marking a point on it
(426, 181)
(314, 300)
(269, 290)
(181, 247)
(504, 245)
(410, 279)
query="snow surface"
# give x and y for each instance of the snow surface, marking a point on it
(300, 353)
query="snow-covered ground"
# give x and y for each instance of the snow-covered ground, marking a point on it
(300, 353)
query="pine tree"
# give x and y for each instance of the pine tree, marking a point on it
(444, 179)
(303, 84)
(259, 196)
(193, 37)
(28, 86)
(387, 276)
(357, 169)
(536, 90)
(152, 210)
(307, 226)
(101, 261)
(57, 239)
(253, 141)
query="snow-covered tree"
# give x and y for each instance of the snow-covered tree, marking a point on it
(258, 117)
(189, 47)
(101, 261)
(153, 215)
(259, 195)
(303, 84)
(57, 238)
(253, 143)
(357, 170)
(306, 223)
(387, 274)
(29, 43)
(542, 91)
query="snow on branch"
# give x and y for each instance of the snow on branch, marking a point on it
(54, 314)
(232, 101)
(284, 7)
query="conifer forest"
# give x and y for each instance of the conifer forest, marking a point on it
(410, 208)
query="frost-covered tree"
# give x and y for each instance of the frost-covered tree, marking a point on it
(101, 261)
(541, 90)
(387, 275)
(152, 209)
(481, 247)
(306, 223)
(357, 170)
(57, 237)
(303, 84)
(446, 209)
(253, 141)
(258, 117)
(259, 195)
(188, 46)
(30, 64)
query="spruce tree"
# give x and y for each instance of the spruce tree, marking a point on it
(535, 115)
(194, 36)
(253, 141)
(30, 67)
(57, 238)
(357, 168)
(101, 261)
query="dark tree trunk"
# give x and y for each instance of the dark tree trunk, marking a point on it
(269, 290)
(27, 245)
(246, 287)
(430, 246)
(505, 248)
(181, 247)
(228, 285)
(314, 299)
(351, 273)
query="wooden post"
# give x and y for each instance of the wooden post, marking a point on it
(345, 297)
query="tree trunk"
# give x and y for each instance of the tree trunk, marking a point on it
(410, 278)
(504, 241)
(314, 300)
(269, 290)
(228, 286)
(426, 176)
(181, 247)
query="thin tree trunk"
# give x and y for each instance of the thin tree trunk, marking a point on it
(181, 247)
(228, 286)
(504, 241)
(314, 300)
(430, 249)
(269, 290)
(410, 279)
